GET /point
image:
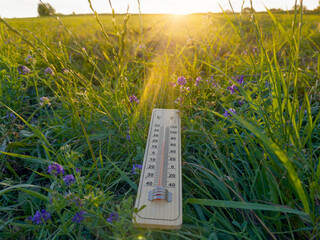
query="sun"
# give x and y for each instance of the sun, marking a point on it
(182, 10)
(179, 7)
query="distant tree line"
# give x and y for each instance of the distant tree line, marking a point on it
(279, 10)
(45, 9)
(297, 8)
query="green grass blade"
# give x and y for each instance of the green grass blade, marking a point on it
(245, 205)
(124, 175)
(28, 158)
(283, 158)
(22, 187)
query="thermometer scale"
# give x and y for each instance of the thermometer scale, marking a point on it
(160, 187)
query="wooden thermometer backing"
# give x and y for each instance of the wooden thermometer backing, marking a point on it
(160, 187)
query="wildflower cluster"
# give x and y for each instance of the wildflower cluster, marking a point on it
(56, 169)
(70, 197)
(135, 167)
(48, 71)
(40, 217)
(69, 179)
(23, 70)
(181, 81)
(172, 84)
(133, 98)
(59, 199)
(10, 116)
(78, 217)
(28, 59)
(232, 88)
(227, 114)
(239, 79)
(212, 81)
(128, 137)
(184, 86)
(181, 86)
(113, 217)
(65, 71)
(198, 80)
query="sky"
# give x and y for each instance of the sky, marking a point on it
(28, 8)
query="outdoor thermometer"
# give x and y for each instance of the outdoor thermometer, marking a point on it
(160, 187)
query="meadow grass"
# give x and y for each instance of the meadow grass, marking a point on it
(250, 117)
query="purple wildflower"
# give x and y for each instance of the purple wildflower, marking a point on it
(78, 217)
(198, 81)
(172, 84)
(78, 170)
(77, 201)
(266, 84)
(245, 52)
(181, 80)
(227, 114)
(28, 58)
(133, 98)
(23, 70)
(55, 169)
(48, 71)
(128, 137)
(179, 100)
(240, 79)
(65, 71)
(142, 46)
(135, 167)
(212, 81)
(10, 116)
(40, 217)
(37, 218)
(113, 217)
(69, 179)
(255, 50)
(232, 88)
(241, 103)
(232, 110)
(45, 215)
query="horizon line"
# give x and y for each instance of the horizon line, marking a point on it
(136, 13)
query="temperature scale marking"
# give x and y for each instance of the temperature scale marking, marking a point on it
(160, 187)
